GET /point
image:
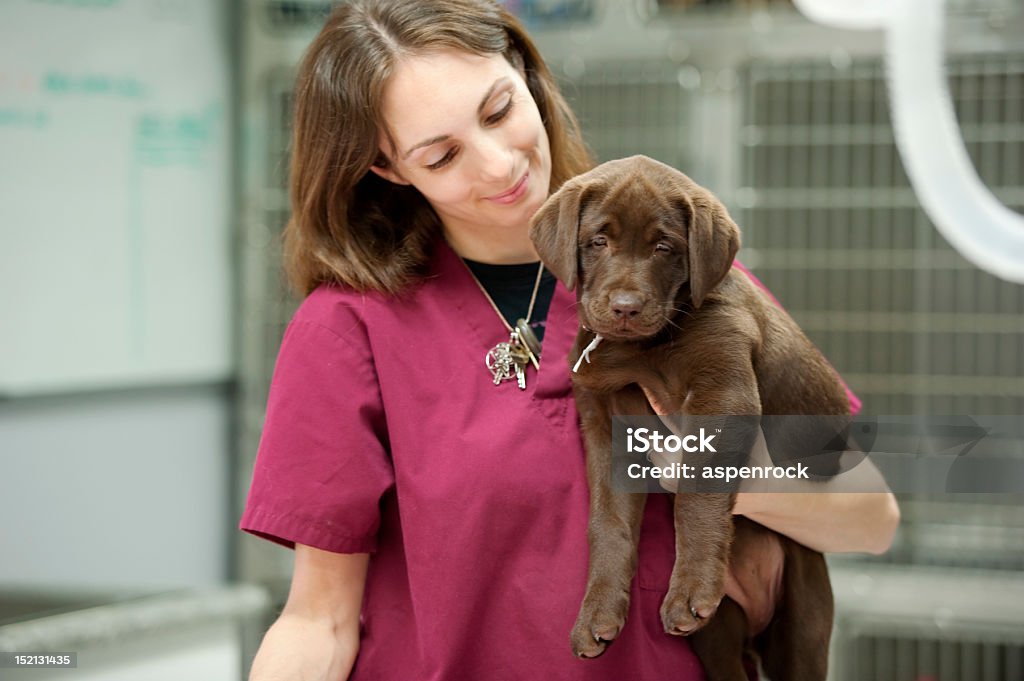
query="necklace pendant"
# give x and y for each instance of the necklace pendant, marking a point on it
(529, 341)
(499, 362)
(508, 360)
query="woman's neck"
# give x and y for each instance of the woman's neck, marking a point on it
(493, 248)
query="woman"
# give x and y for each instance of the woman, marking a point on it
(426, 135)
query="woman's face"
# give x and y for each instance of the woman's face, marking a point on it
(469, 137)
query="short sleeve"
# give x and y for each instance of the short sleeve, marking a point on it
(322, 465)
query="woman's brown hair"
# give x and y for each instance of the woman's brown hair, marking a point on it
(348, 225)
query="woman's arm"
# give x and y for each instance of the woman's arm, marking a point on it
(316, 637)
(833, 522)
(853, 512)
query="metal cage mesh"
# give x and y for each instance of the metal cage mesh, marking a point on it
(632, 107)
(885, 658)
(835, 230)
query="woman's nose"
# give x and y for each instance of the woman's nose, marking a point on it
(495, 158)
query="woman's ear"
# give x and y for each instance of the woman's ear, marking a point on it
(382, 167)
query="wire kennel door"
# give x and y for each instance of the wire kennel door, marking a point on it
(836, 231)
(926, 624)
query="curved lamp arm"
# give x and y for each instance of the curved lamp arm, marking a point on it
(983, 230)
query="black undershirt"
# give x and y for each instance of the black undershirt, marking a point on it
(511, 286)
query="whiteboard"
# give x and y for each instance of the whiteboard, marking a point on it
(115, 259)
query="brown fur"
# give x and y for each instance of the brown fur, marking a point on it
(651, 253)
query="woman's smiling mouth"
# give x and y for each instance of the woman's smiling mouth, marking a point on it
(513, 194)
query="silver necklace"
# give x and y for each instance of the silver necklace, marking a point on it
(508, 359)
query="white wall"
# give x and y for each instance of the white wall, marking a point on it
(116, 490)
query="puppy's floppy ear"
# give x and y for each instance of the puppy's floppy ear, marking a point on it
(714, 239)
(555, 230)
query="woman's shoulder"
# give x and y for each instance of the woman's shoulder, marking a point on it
(337, 308)
(343, 309)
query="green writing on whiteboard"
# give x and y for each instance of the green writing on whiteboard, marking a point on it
(183, 139)
(98, 84)
(24, 118)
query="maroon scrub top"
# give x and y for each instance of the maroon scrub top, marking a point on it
(385, 434)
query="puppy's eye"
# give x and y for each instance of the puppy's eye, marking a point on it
(599, 241)
(663, 248)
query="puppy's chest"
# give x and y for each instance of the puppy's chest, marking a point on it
(614, 365)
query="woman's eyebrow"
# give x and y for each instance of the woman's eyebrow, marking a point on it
(479, 110)
(424, 143)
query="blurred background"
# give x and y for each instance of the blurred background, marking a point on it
(143, 165)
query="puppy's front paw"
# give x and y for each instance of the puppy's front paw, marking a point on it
(689, 604)
(598, 624)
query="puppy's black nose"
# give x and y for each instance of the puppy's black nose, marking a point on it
(625, 304)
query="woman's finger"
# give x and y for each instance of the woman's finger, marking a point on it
(666, 460)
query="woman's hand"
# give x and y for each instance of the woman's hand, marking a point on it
(853, 512)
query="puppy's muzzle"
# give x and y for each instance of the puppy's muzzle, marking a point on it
(626, 305)
(625, 314)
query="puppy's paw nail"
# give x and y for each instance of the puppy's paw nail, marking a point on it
(705, 612)
(679, 630)
(589, 649)
(682, 615)
(591, 639)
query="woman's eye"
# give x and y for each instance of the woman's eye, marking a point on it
(495, 117)
(599, 241)
(443, 161)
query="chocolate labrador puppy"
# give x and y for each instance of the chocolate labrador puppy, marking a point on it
(651, 255)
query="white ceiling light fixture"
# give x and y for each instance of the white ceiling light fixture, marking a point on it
(963, 209)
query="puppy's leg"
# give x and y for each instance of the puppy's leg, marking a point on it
(720, 644)
(794, 647)
(613, 534)
(703, 520)
(703, 535)
(757, 567)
